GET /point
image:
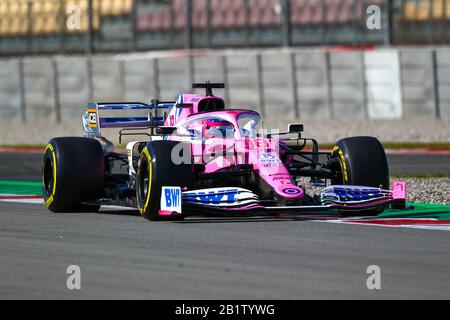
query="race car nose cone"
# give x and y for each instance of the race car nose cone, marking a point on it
(290, 192)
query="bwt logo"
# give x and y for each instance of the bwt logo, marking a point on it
(173, 197)
(212, 197)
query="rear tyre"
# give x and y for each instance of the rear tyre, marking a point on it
(73, 172)
(156, 170)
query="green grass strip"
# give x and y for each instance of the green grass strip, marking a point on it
(21, 187)
(421, 210)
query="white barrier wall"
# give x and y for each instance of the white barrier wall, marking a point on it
(283, 83)
(244, 81)
(10, 91)
(443, 82)
(73, 85)
(140, 80)
(174, 76)
(382, 75)
(107, 79)
(209, 67)
(348, 99)
(417, 76)
(278, 85)
(39, 89)
(312, 88)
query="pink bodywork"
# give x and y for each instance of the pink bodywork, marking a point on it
(219, 153)
(399, 190)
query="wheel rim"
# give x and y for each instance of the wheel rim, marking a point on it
(48, 177)
(143, 182)
(338, 168)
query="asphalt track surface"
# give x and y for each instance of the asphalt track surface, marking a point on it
(121, 255)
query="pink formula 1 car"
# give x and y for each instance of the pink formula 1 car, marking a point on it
(200, 158)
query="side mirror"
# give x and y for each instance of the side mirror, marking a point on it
(295, 128)
(185, 105)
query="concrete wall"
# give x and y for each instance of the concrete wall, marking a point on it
(73, 85)
(299, 83)
(443, 82)
(348, 96)
(174, 76)
(383, 88)
(107, 79)
(209, 67)
(244, 81)
(312, 89)
(417, 76)
(277, 71)
(39, 89)
(11, 99)
(140, 80)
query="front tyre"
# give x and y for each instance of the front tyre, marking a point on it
(73, 172)
(157, 170)
(361, 161)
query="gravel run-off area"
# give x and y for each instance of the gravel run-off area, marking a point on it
(430, 190)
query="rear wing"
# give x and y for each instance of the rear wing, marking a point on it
(94, 122)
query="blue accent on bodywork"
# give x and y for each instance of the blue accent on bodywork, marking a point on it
(345, 194)
(357, 195)
(211, 197)
(129, 122)
(132, 106)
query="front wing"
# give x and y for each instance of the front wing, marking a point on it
(239, 201)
